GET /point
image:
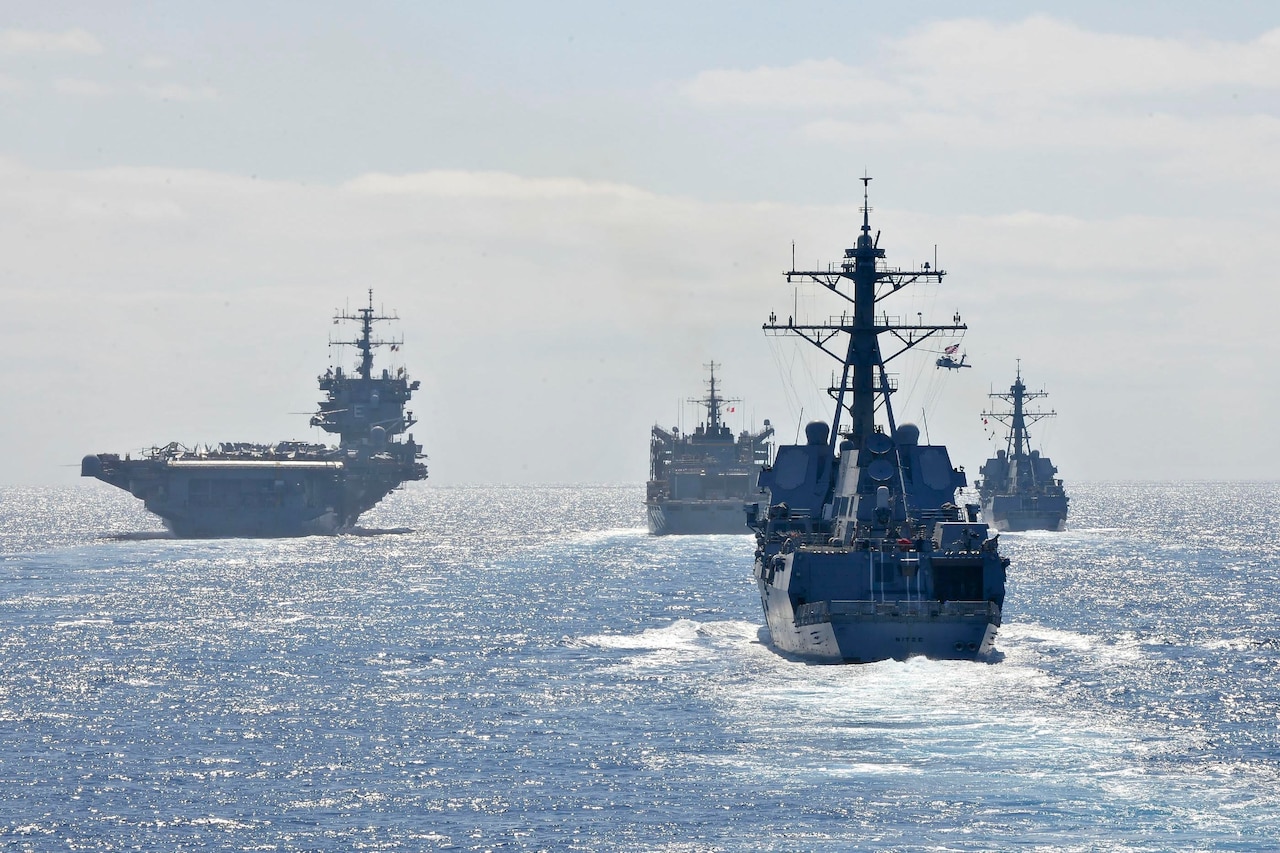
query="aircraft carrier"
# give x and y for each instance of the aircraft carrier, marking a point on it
(291, 488)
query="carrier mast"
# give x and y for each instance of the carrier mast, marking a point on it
(365, 343)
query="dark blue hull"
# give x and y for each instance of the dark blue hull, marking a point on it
(864, 631)
(1020, 512)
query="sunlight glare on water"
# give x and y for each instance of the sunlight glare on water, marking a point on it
(529, 669)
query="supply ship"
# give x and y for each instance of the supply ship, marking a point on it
(1018, 489)
(861, 551)
(700, 482)
(292, 488)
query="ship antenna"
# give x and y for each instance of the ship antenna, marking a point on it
(366, 339)
(713, 404)
(866, 204)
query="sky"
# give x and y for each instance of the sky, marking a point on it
(574, 207)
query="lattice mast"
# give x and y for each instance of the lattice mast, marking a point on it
(864, 384)
(365, 342)
(713, 402)
(1018, 417)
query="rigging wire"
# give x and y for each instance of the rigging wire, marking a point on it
(1045, 433)
(921, 382)
(784, 357)
(797, 358)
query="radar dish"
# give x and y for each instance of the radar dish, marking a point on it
(881, 470)
(879, 443)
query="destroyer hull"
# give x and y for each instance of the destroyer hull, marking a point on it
(697, 517)
(1012, 514)
(869, 631)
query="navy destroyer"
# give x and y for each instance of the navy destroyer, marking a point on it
(699, 482)
(861, 552)
(1018, 489)
(291, 488)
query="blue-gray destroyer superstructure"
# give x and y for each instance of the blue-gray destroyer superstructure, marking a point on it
(291, 488)
(699, 482)
(1018, 489)
(862, 554)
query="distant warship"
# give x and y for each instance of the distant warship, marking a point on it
(290, 488)
(699, 483)
(1018, 490)
(861, 553)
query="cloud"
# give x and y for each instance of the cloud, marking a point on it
(179, 92)
(81, 88)
(530, 286)
(113, 209)
(194, 305)
(488, 185)
(31, 41)
(1044, 58)
(951, 64)
(1165, 132)
(812, 84)
(1040, 85)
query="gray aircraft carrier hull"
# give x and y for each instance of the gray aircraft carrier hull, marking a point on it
(250, 524)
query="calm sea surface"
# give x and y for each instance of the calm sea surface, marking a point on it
(529, 670)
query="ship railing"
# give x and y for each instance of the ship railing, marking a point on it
(927, 518)
(845, 319)
(798, 525)
(825, 611)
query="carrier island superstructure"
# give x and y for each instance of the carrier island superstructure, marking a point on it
(290, 488)
(861, 552)
(700, 481)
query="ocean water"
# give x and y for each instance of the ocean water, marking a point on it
(529, 670)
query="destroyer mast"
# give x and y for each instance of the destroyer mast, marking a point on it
(1018, 418)
(864, 385)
